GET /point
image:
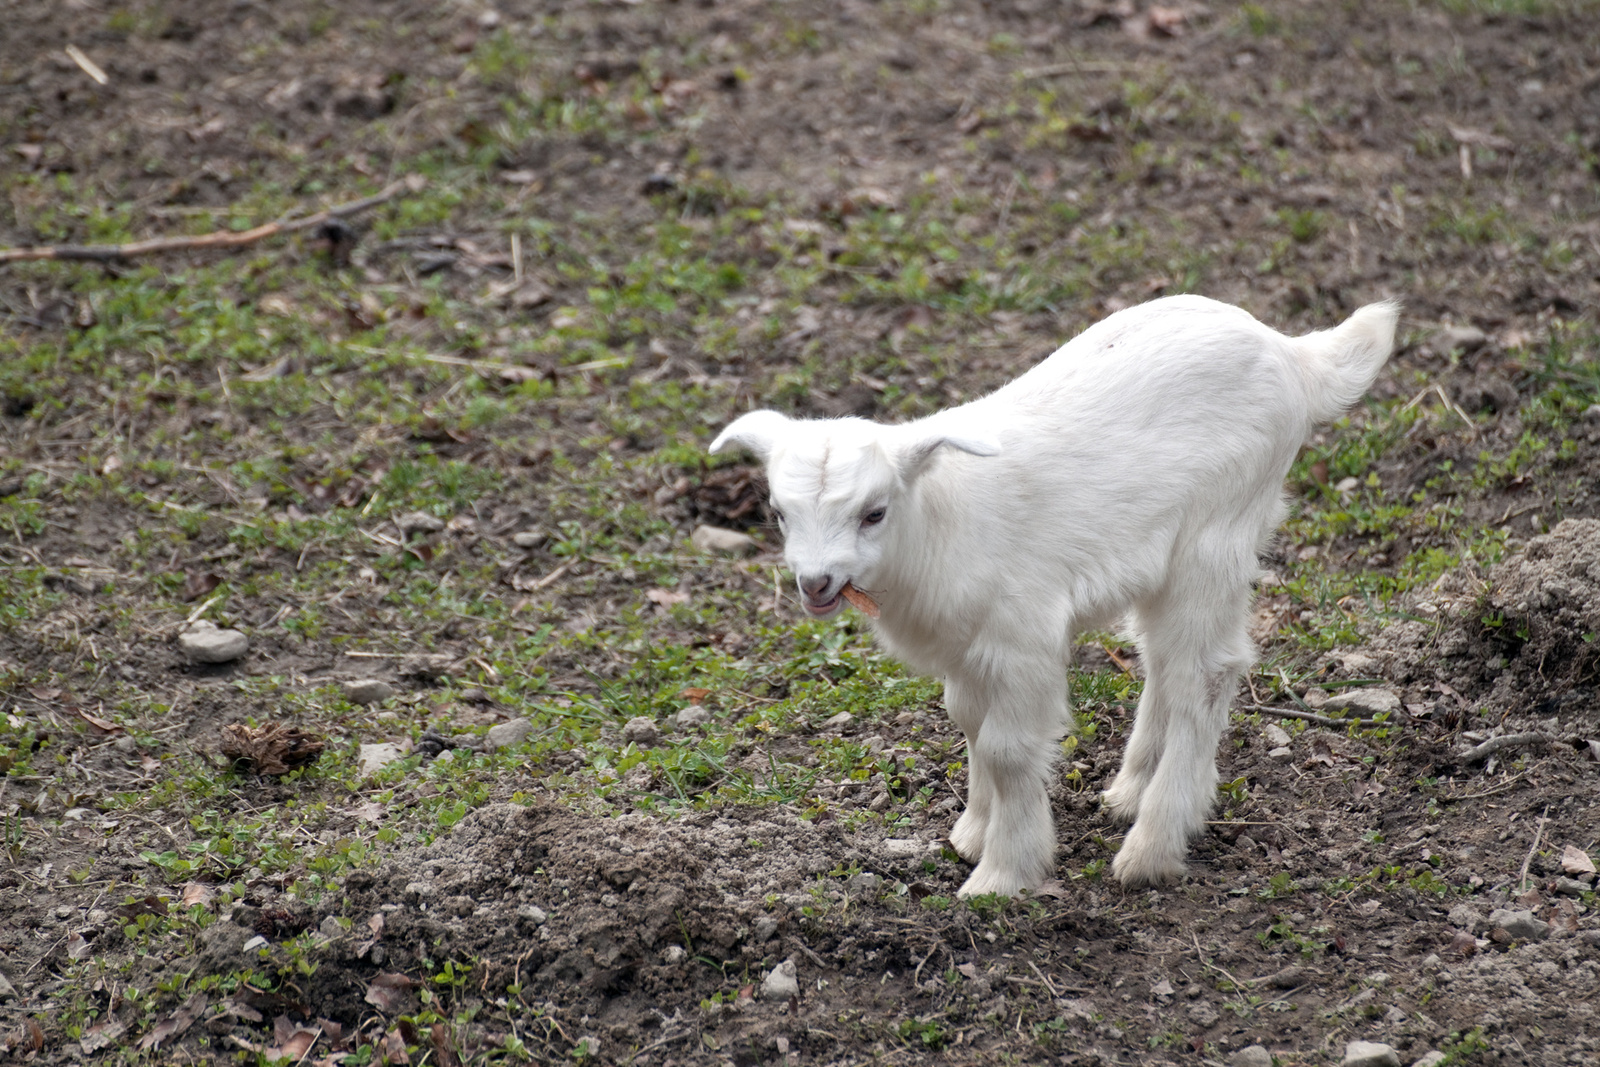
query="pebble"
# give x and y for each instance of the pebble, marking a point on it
(1466, 338)
(205, 643)
(7, 990)
(330, 928)
(373, 758)
(1369, 1054)
(781, 983)
(865, 884)
(415, 521)
(1203, 1015)
(506, 734)
(1282, 753)
(673, 954)
(1567, 887)
(368, 691)
(533, 914)
(904, 847)
(641, 730)
(529, 538)
(839, 721)
(1431, 1058)
(1374, 700)
(765, 928)
(1276, 736)
(693, 715)
(254, 943)
(1464, 917)
(1521, 925)
(727, 542)
(1251, 1056)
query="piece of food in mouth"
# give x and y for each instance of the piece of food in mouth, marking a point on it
(859, 600)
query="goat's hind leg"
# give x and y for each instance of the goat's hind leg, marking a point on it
(1142, 753)
(1195, 650)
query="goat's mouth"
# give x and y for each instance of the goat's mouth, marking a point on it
(826, 607)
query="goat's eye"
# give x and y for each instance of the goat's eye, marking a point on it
(873, 517)
(776, 512)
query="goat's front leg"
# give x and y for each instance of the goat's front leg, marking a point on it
(964, 702)
(1013, 756)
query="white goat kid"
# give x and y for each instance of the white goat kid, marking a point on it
(1136, 472)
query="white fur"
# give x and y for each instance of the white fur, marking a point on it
(1135, 472)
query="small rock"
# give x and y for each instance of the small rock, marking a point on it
(203, 642)
(1570, 887)
(904, 847)
(1366, 702)
(1281, 754)
(1315, 697)
(781, 983)
(839, 721)
(1203, 1015)
(506, 734)
(1288, 978)
(368, 691)
(673, 954)
(1251, 1056)
(1276, 736)
(865, 884)
(727, 542)
(880, 803)
(474, 695)
(533, 914)
(529, 538)
(1369, 1054)
(1464, 917)
(76, 814)
(641, 731)
(1465, 338)
(419, 521)
(1431, 1058)
(1521, 925)
(330, 928)
(446, 756)
(373, 758)
(765, 928)
(254, 943)
(691, 716)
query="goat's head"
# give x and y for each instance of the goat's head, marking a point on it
(835, 489)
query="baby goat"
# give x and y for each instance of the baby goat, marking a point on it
(1136, 472)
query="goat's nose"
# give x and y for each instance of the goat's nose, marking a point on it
(814, 585)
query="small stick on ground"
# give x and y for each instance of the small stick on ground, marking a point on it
(1522, 876)
(1505, 741)
(215, 239)
(1311, 716)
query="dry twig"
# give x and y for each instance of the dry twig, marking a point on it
(215, 239)
(1311, 716)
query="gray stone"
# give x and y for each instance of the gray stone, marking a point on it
(1521, 925)
(1369, 1054)
(1281, 754)
(506, 734)
(1431, 1058)
(691, 716)
(1276, 737)
(330, 928)
(368, 691)
(1465, 917)
(1571, 887)
(529, 538)
(865, 884)
(1465, 338)
(641, 731)
(374, 758)
(203, 642)
(781, 983)
(727, 542)
(839, 721)
(1203, 1015)
(419, 521)
(904, 847)
(1251, 1056)
(7, 990)
(765, 927)
(254, 943)
(1365, 702)
(533, 914)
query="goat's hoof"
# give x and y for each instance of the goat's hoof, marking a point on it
(1135, 869)
(1122, 804)
(966, 837)
(985, 883)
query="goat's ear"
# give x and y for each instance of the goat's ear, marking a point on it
(756, 432)
(916, 453)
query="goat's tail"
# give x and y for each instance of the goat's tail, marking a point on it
(1341, 364)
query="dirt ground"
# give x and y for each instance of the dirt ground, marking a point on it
(1360, 882)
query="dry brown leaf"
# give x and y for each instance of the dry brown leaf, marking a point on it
(78, 946)
(175, 1024)
(103, 726)
(270, 749)
(695, 694)
(293, 1040)
(194, 893)
(101, 1034)
(666, 598)
(390, 992)
(197, 584)
(1576, 861)
(394, 1048)
(375, 924)
(862, 602)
